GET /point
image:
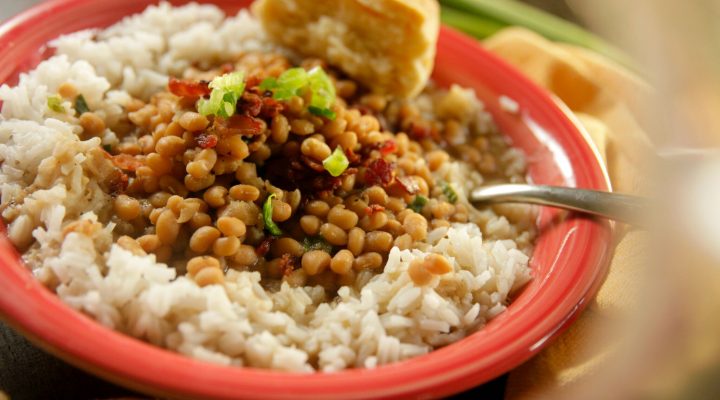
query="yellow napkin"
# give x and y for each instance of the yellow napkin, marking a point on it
(608, 102)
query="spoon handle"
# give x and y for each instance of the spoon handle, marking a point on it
(619, 207)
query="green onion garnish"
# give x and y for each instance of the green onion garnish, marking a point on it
(418, 203)
(267, 217)
(323, 90)
(268, 84)
(233, 82)
(336, 163)
(322, 112)
(81, 105)
(482, 18)
(55, 104)
(317, 243)
(294, 81)
(449, 192)
(226, 91)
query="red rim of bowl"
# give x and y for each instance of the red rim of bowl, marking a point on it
(576, 273)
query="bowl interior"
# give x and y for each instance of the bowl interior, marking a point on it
(568, 265)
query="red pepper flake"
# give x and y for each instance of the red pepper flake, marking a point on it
(387, 147)
(126, 162)
(379, 172)
(373, 208)
(408, 184)
(206, 141)
(264, 246)
(188, 88)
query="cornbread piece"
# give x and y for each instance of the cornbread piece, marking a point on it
(389, 45)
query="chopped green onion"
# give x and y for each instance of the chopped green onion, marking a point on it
(55, 104)
(322, 112)
(268, 84)
(317, 243)
(449, 192)
(293, 79)
(267, 217)
(482, 18)
(211, 105)
(418, 203)
(336, 163)
(283, 94)
(226, 91)
(478, 26)
(323, 91)
(233, 82)
(81, 105)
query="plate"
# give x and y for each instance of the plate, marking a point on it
(569, 263)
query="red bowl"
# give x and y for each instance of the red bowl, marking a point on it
(569, 263)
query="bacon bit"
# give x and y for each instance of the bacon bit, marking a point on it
(314, 165)
(239, 124)
(387, 147)
(290, 174)
(188, 88)
(408, 184)
(418, 131)
(83, 227)
(118, 183)
(351, 156)
(270, 107)
(373, 208)
(206, 141)
(379, 172)
(325, 183)
(227, 68)
(287, 264)
(264, 246)
(126, 162)
(364, 110)
(251, 104)
(252, 81)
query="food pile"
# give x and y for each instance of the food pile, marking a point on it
(255, 208)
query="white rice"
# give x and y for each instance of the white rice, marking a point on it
(382, 319)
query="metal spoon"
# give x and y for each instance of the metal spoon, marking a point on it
(619, 207)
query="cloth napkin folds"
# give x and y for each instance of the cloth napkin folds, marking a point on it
(607, 99)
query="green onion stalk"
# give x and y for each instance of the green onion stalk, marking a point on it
(483, 18)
